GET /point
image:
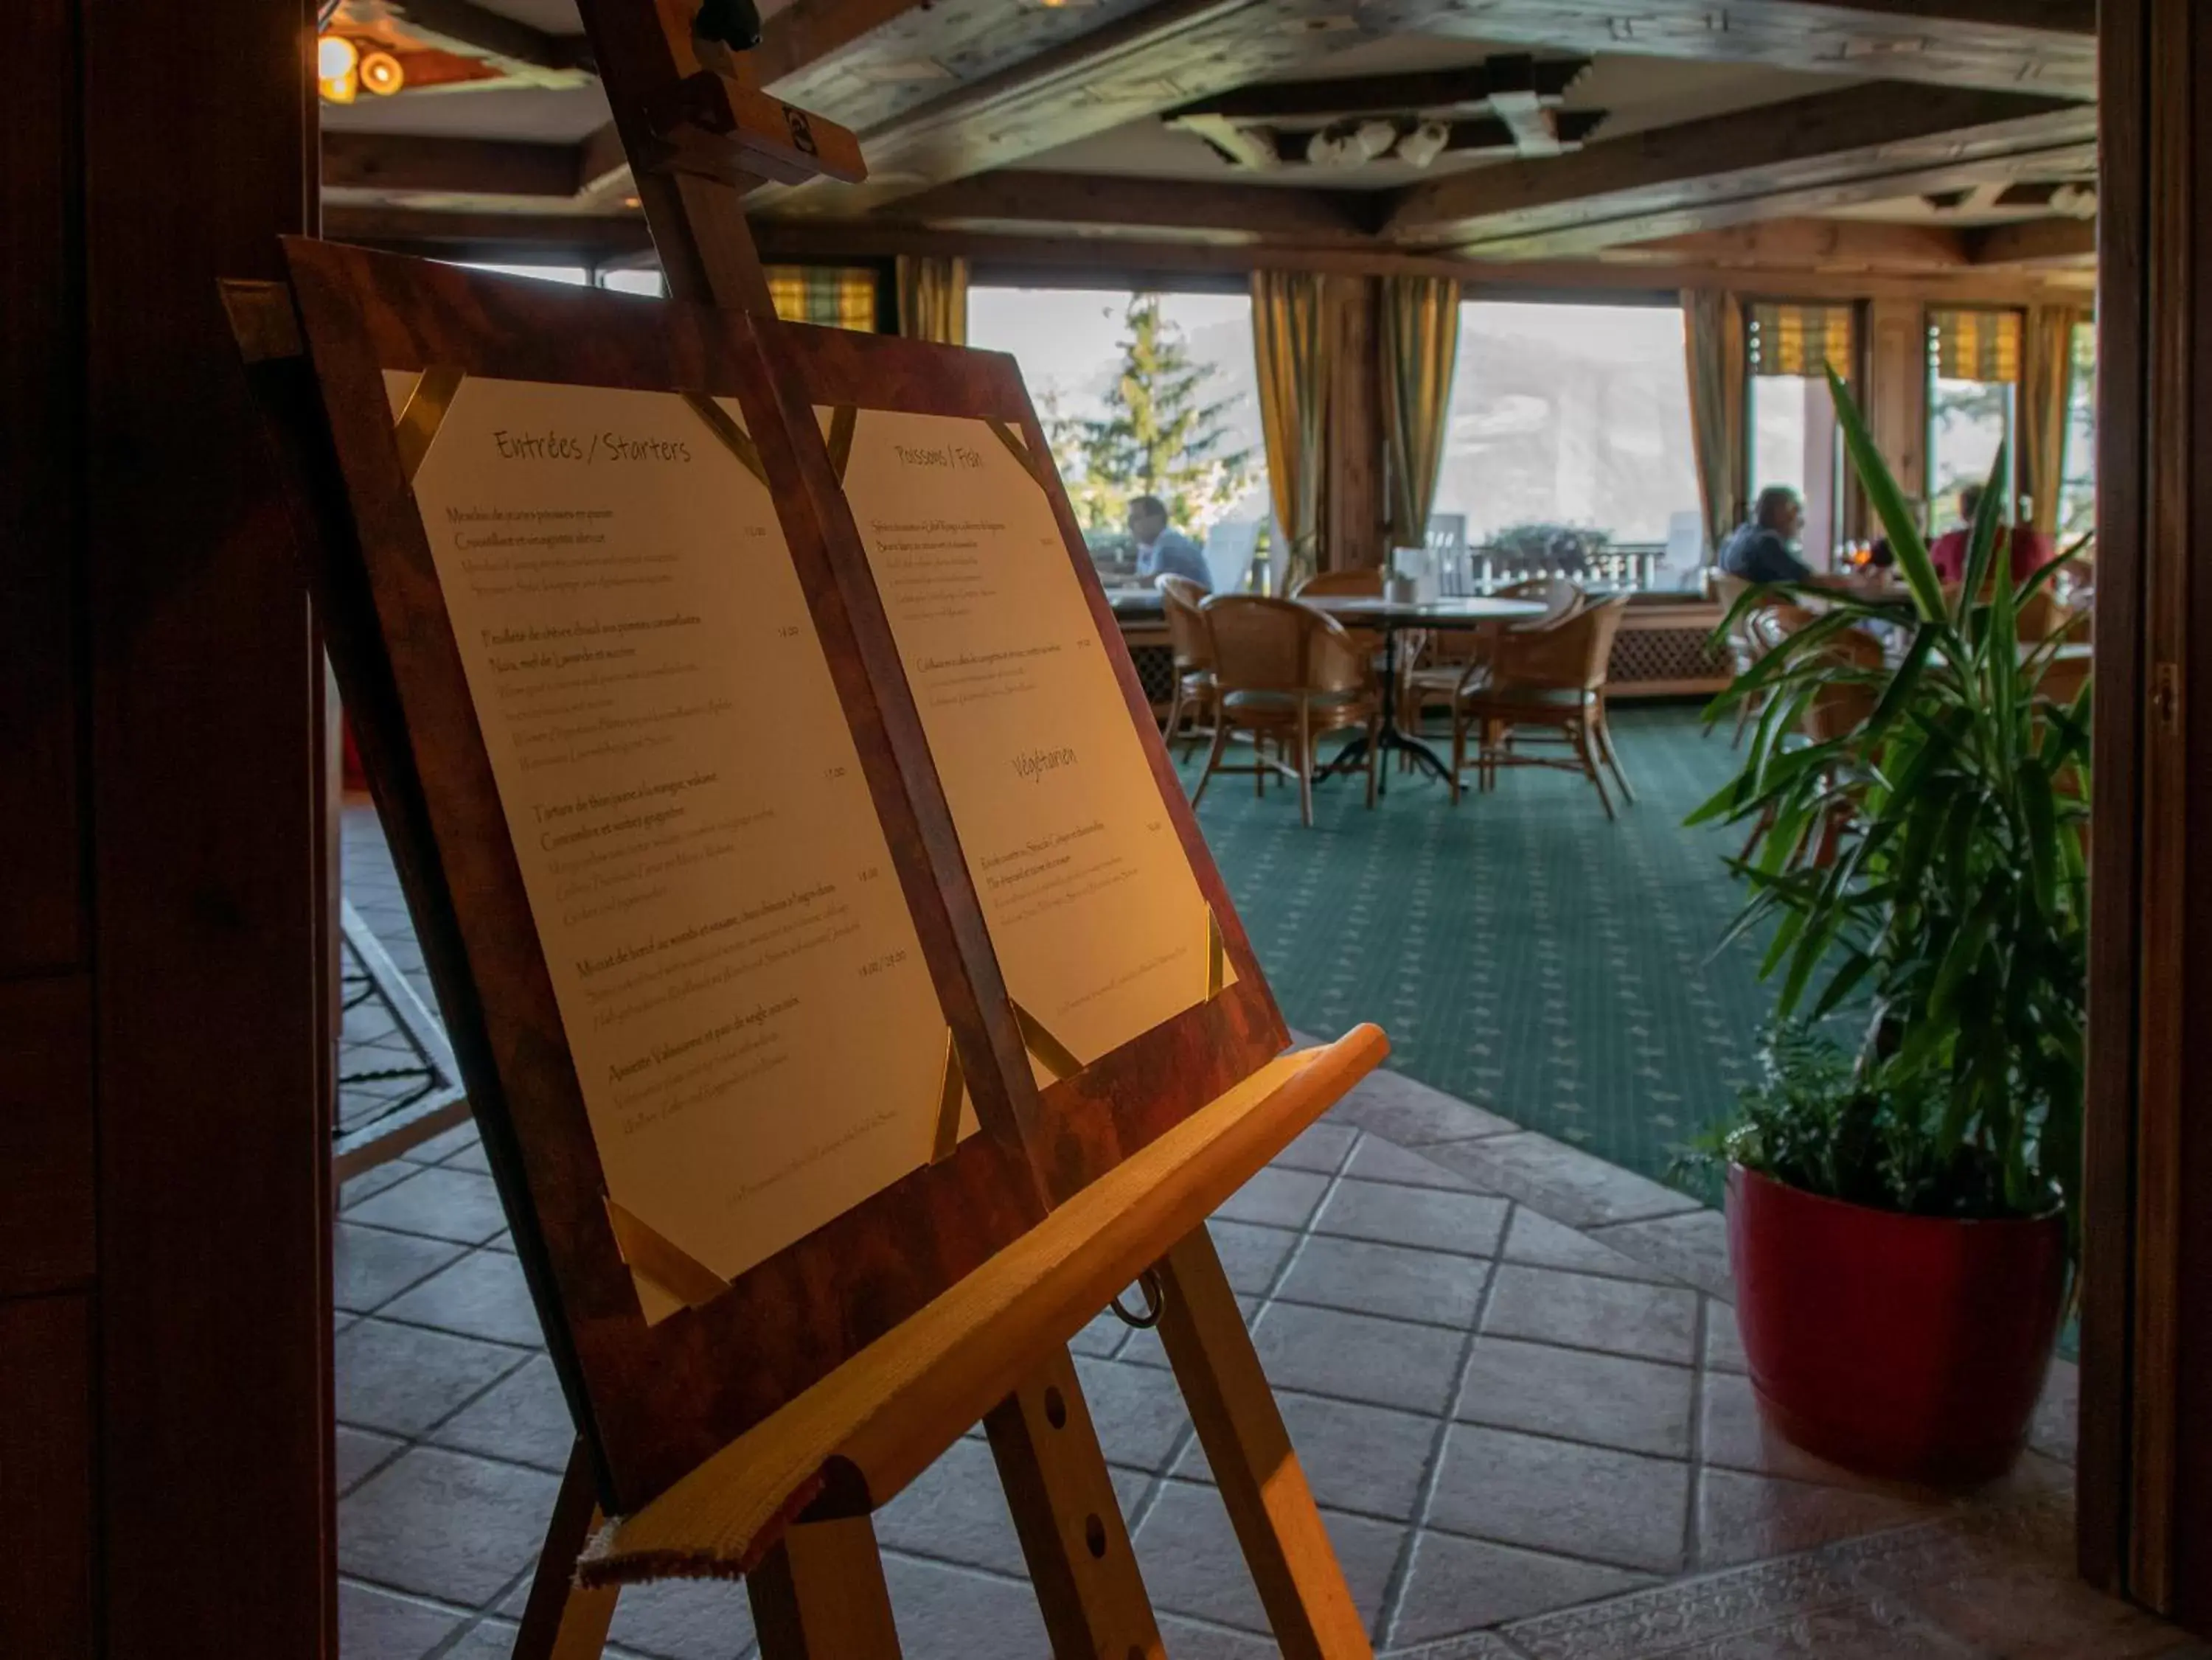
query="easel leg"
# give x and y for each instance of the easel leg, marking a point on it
(1070, 1520)
(1292, 1562)
(820, 1595)
(561, 1621)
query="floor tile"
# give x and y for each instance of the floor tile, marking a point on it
(1459, 1585)
(471, 1157)
(1358, 1357)
(1733, 1435)
(443, 1145)
(360, 1452)
(1187, 1640)
(403, 1380)
(445, 1204)
(2056, 1425)
(1425, 1218)
(481, 1295)
(381, 1625)
(683, 1620)
(1379, 1161)
(955, 1613)
(2025, 1608)
(1251, 1256)
(1569, 1186)
(370, 1266)
(956, 1512)
(1365, 1459)
(1536, 1239)
(1137, 1411)
(1276, 1198)
(1193, 1565)
(1608, 1400)
(1106, 1333)
(1654, 1323)
(1724, 1347)
(444, 1525)
(1620, 1508)
(488, 1640)
(1320, 1147)
(1368, 1278)
(1409, 1113)
(523, 1418)
(371, 1182)
(1743, 1518)
(1692, 1246)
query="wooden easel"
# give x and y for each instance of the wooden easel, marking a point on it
(746, 1438)
(818, 1590)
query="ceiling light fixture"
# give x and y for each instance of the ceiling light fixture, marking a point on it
(382, 73)
(1375, 137)
(1423, 144)
(337, 63)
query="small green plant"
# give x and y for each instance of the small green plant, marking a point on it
(1927, 864)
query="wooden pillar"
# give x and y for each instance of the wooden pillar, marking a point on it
(1895, 390)
(1352, 483)
(164, 1074)
(2145, 1522)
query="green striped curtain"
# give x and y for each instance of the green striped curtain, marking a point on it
(1975, 345)
(1797, 340)
(836, 296)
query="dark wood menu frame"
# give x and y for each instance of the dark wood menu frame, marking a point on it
(651, 1402)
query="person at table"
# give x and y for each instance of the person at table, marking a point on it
(1163, 551)
(2030, 549)
(1765, 549)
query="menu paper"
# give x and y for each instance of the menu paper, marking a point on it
(757, 1040)
(1101, 930)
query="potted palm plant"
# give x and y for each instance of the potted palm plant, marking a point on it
(1903, 1204)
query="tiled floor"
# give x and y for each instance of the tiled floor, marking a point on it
(1509, 1371)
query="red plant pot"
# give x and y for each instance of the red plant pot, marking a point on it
(1908, 1346)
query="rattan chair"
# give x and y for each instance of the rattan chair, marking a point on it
(1743, 648)
(1192, 641)
(1449, 657)
(1836, 710)
(1289, 674)
(1545, 685)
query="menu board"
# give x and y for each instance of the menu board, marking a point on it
(755, 1033)
(1099, 925)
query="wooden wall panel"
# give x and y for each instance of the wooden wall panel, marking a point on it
(1897, 387)
(46, 1478)
(1353, 509)
(207, 868)
(40, 925)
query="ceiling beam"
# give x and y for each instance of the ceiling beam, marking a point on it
(1436, 90)
(474, 30)
(1099, 204)
(1807, 154)
(1808, 244)
(2048, 242)
(2043, 46)
(401, 164)
(807, 30)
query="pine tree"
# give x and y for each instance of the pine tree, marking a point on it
(1160, 436)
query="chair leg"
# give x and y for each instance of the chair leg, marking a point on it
(1213, 759)
(1305, 765)
(1581, 734)
(1742, 720)
(1612, 755)
(1173, 730)
(1374, 731)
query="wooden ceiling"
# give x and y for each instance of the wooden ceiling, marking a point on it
(1772, 117)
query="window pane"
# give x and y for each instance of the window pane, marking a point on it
(1142, 394)
(1795, 441)
(1574, 416)
(646, 283)
(2077, 497)
(575, 276)
(1973, 361)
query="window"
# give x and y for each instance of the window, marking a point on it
(839, 296)
(1142, 393)
(1974, 376)
(635, 281)
(574, 276)
(1570, 434)
(2077, 494)
(1790, 414)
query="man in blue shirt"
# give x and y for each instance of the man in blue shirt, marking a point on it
(1762, 550)
(1161, 551)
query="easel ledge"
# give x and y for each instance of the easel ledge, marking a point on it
(855, 1440)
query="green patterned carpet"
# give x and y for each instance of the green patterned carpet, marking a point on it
(1521, 952)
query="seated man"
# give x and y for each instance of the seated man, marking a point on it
(1161, 551)
(1763, 551)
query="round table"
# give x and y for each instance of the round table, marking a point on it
(1389, 615)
